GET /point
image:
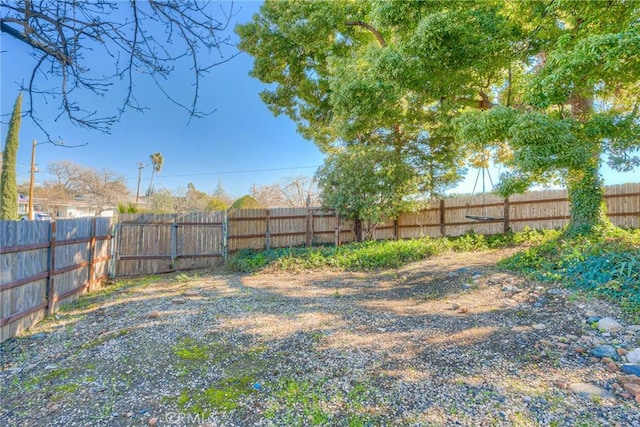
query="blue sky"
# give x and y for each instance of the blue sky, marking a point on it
(242, 135)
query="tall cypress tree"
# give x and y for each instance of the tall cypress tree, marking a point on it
(8, 189)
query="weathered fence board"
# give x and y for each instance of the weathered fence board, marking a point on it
(150, 244)
(46, 264)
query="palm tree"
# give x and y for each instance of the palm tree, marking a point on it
(157, 161)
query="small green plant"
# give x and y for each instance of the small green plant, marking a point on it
(224, 396)
(189, 349)
(184, 278)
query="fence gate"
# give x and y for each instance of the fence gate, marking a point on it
(151, 243)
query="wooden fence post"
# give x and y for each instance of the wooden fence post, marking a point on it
(225, 236)
(267, 241)
(51, 288)
(443, 231)
(174, 242)
(92, 254)
(115, 235)
(309, 226)
(395, 229)
(506, 226)
(337, 230)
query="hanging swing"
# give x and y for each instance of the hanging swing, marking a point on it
(483, 214)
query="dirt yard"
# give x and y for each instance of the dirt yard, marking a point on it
(451, 341)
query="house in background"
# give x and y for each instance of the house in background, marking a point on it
(80, 207)
(23, 204)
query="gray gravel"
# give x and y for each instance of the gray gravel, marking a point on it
(449, 341)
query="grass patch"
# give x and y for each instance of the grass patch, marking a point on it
(188, 349)
(606, 265)
(224, 396)
(376, 254)
(304, 402)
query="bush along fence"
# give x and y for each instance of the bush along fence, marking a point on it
(46, 264)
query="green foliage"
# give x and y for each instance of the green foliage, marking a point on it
(8, 189)
(216, 204)
(376, 254)
(246, 202)
(606, 264)
(128, 208)
(367, 183)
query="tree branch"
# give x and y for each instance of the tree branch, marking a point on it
(369, 27)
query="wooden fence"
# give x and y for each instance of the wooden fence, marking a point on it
(45, 264)
(273, 228)
(151, 243)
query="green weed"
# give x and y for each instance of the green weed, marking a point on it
(222, 397)
(604, 265)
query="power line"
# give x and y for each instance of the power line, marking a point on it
(239, 171)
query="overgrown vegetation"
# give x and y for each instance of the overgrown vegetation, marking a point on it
(605, 264)
(376, 254)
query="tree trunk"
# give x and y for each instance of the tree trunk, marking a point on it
(585, 187)
(587, 209)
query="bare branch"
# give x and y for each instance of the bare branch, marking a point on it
(151, 38)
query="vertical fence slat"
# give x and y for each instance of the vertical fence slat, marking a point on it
(51, 288)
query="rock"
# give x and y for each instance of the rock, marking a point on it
(632, 389)
(634, 356)
(633, 328)
(55, 407)
(630, 368)
(512, 289)
(612, 367)
(508, 303)
(153, 421)
(129, 414)
(38, 336)
(557, 292)
(463, 310)
(621, 351)
(606, 360)
(572, 337)
(590, 313)
(454, 306)
(154, 314)
(191, 293)
(605, 351)
(537, 305)
(593, 319)
(608, 324)
(178, 300)
(624, 379)
(588, 391)
(539, 326)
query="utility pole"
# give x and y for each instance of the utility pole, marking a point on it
(140, 167)
(31, 180)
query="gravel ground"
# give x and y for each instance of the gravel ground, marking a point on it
(449, 341)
